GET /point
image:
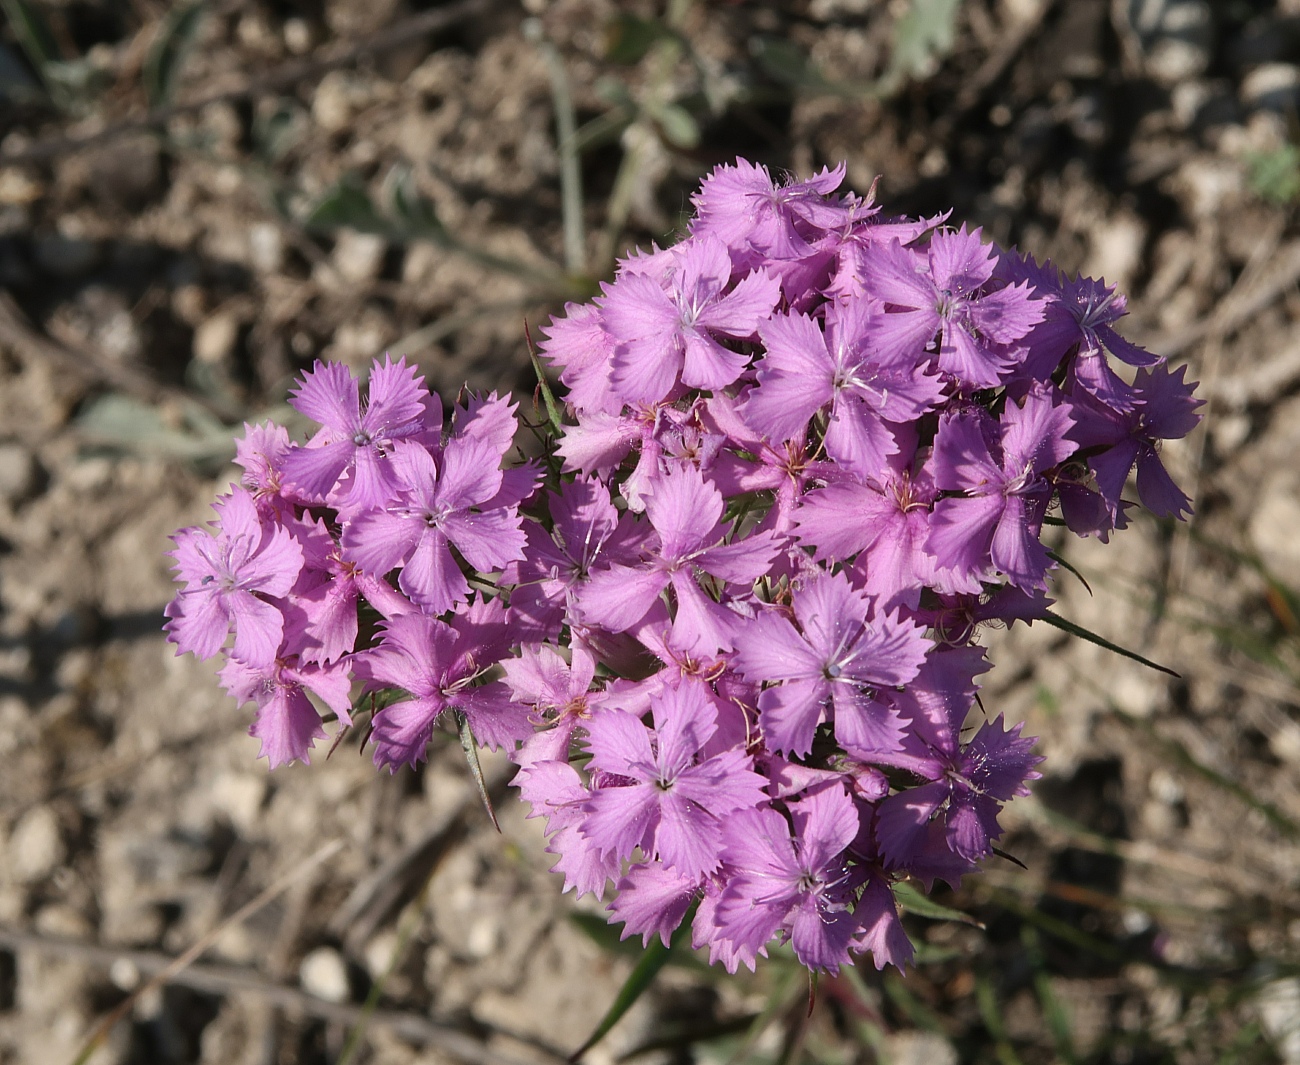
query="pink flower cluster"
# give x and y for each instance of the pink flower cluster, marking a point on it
(731, 621)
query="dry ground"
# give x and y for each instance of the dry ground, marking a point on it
(196, 205)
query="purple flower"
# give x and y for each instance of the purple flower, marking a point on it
(225, 576)
(556, 791)
(355, 439)
(756, 218)
(287, 723)
(671, 805)
(1079, 315)
(652, 900)
(438, 665)
(586, 531)
(1164, 409)
(884, 529)
(664, 334)
(796, 884)
(559, 695)
(454, 501)
(806, 370)
(967, 787)
(686, 513)
(830, 668)
(995, 525)
(945, 291)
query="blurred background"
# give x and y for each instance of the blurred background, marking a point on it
(197, 201)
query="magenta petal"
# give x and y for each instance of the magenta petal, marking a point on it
(1157, 490)
(740, 311)
(688, 838)
(288, 727)
(620, 744)
(897, 275)
(1016, 549)
(621, 819)
(372, 482)
(864, 726)
(493, 718)
(199, 623)
(789, 715)
(901, 821)
(961, 533)
(820, 937)
(316, 470)
(259, 627)
(618, 597)
(275, 567)
(707, 364)
(685, 510)
(395, 396)
(652, 901)
(377, 540)
(700, 627)
(857, 438)
(402, 732)
(329, 394)
(488, 539)
(769, 648)
(431, 576)
(742, 561)
(881, 929)
(903, 336)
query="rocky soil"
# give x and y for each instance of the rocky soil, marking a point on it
(197, 203)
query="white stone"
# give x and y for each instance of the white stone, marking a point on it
(1116, 250)
(1275, 85)
(265, 248)
(359, 257)
(1272, 528)
(324, 974)
(240, 796)
(36, 848)
(17, 472)
(215, 338)
(1279, 1010)
(920, 1048)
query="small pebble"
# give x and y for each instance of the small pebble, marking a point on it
(215, 339)
(35, 847)
(359, 257)
(1272, 86)
(18, 473)
(324, 974)
(265, 248)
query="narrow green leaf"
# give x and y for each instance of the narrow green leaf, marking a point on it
(1056, 621)
(166, 58)
(628, 39)
(916, 1011)
(475, 769)
(654, 958)
(991, 1014)
(415, 212)
(1060, 561)
(1058, 1020)
(346, 203)
(924, 34)
(553, 414)
(33, 33)
(679, 126)
(911, 901)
